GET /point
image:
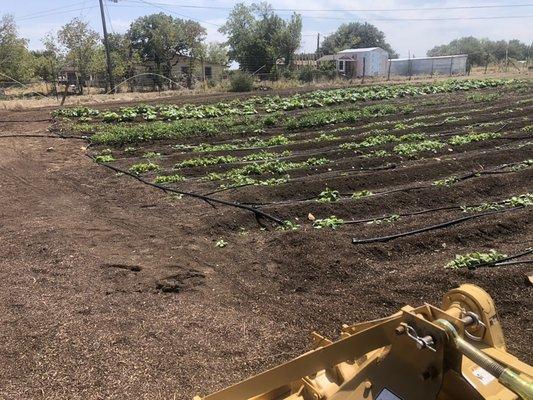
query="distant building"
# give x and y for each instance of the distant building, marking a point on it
(442, 65)
(202, 71)
(370, 61)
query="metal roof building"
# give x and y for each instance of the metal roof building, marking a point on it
(442, 65)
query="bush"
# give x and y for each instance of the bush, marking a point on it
(241, 82)
(307, 74)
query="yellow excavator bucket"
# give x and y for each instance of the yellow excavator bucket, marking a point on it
(423, 353)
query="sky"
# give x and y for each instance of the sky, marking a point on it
(412, 27)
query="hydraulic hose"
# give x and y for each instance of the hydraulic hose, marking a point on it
(505, 376)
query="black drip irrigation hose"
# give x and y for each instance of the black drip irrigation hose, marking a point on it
(503, 261)
(426, 211)
(431, 227)
(258, 213)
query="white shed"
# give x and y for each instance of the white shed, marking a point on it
(370, 61)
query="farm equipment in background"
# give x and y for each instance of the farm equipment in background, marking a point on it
(422, 353)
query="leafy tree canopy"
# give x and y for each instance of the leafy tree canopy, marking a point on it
(82, 46)
(257, 37)
(356, 35)
(216, 53)
(160, 37)
(15, 60)
(481, 51)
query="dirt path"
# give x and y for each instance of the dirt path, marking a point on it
(109, 289)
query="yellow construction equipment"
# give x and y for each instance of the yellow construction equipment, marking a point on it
(454, 352)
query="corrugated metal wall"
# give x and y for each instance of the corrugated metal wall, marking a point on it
(447, 65)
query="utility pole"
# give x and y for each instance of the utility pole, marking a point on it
(107, 52)
(317, 42)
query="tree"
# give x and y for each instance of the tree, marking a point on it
(289, 39)
(158, 38)
(15, 59)
(82, 45)
(257, 37)
(482, 51)
(356, 35)
(216, 53)
(47, 62)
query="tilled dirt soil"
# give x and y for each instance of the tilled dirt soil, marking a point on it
(111, 289)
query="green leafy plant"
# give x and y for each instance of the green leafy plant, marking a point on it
(328, 196)
(141, 168)
(325, 138)
(169, 178)
(110, 117)
(483, 98)
(151, 154)
(411, 149)
(472, 137)
(523, 200)
(204, 161)
(448, 181)
(331, 222)
(289, 226)
(471, 260)
(104, 158)
(361, 194)
(221, 243)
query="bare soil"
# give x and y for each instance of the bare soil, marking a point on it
(111, 289)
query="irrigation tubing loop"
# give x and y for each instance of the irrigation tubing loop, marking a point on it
(258, 213)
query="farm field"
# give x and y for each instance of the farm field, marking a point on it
(201, 243)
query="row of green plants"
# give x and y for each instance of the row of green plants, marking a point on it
(269, 104)
(133, 133)
(240, 176)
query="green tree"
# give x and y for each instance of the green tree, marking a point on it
(356, 35)
(159, 38)
(257, 37)
(216, 53)
(481, 51)
(82, 45)
(15, 59)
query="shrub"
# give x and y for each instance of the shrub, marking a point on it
(307, 74)
(241, 82)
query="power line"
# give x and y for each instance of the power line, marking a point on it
(48, 14)
(173, 12)
(109, 17)
(422, 19)
(347, 10)
(53, 9)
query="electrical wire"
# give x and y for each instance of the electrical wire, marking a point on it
(347, 9)
(178, 14)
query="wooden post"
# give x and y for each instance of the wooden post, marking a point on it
(451, 65)
(364, 70)
(388, 73)
(432, 66)
(65, 93)
(410, 68)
